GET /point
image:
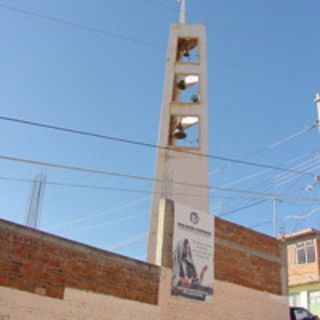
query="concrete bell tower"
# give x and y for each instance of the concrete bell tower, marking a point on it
(181, 169)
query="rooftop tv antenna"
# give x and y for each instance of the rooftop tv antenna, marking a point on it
(35, 201)
(183, 11)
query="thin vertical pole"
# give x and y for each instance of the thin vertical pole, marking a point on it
(183, 11)
(317, 101)
(275, 217)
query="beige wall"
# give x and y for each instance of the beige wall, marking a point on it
(230, 302)
(299, 274)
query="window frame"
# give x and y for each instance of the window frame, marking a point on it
(303, 253)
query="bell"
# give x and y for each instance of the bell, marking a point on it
(194, 98)
(179, 133)
(186, 54)
(182, 85)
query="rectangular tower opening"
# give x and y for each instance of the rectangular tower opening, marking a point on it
(186, 88)
(188, 50)
(184, 131)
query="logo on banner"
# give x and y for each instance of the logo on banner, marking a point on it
(194, 217)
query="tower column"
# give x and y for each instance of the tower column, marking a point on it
(181, 169)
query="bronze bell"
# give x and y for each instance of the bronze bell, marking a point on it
(195, 98)
(186, 54)
(182, 85)
(179, 133)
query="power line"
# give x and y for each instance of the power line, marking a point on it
(110, 223)
(265, 185)
(125, 37)
(269, 147)
(303, 216)
(131, 241)
(79, 26)
(105, 188)
(149, 179)
(235, 29)
(149, 145)
(168, 6)
(242, 208)
(82, 186)
(301, 166)
(260, 224)
(99, 214)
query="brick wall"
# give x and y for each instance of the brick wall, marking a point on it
(40, 263)
(246, 237)
(75, 281)
(249, 258)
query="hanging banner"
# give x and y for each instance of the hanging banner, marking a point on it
(193, 243)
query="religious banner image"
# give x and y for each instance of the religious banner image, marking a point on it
(193, 243)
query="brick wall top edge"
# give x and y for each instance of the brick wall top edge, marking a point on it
(247, 237)
(301, 234)
(303, 237)
(8, 226)
(257, 233)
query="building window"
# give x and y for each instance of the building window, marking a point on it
(305, 252)
(314, 302)
(294, 300)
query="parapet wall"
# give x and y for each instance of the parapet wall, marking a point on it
(40, 263)
(46, 277)
(249, 258)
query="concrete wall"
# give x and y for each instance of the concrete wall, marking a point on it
(230, 302)
(99, 285)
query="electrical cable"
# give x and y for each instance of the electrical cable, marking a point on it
(303, 216)
(301, 166)
(268, 147)
(121, 36)
(99, 187)
(165, 5)
(80, 26)
(242, 208)
(260, 224)
(99, 214)
(110, 223)
(131, 241)
(150, 145)
(149, 179)
(266, 185)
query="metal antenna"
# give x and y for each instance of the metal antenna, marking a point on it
(183, 11)
(35, 201)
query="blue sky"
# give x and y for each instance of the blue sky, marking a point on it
(263, 75)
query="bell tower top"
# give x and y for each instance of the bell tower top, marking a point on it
(183, 11)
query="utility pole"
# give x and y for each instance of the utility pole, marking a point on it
(275, 217)
(317, 101)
